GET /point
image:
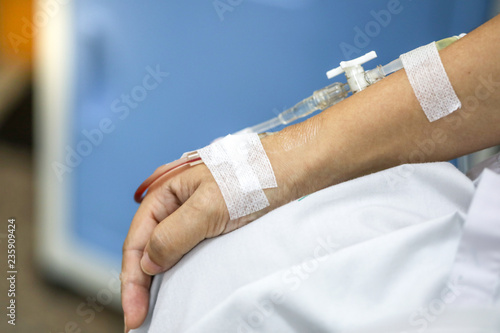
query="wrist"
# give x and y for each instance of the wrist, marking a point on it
(295, 160)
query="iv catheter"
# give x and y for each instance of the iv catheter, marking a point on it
(187, 159)
(357, 80)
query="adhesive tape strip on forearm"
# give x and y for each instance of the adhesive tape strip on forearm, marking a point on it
(430, 82)
(242, 170)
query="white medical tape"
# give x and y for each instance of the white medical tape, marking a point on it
(242, 170)
(430, 82)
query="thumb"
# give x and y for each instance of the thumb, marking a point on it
(177, 234)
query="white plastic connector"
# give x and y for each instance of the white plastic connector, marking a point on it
(351, 63)
(354, 71)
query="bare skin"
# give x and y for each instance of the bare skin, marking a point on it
(378, 128)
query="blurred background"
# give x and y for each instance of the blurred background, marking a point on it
(94, 95)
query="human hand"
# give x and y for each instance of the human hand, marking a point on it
(177, 214)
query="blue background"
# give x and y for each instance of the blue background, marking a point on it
(224, 74)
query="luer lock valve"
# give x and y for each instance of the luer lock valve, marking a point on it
(354, 72)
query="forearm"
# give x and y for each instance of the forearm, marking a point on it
(384, 125)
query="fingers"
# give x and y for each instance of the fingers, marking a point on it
(135, 283)
(150, 241)
(182, 231)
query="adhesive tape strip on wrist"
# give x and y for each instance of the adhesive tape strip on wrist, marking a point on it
(430, 82)
(242, 170)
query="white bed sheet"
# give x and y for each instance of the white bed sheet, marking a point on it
(351, 256)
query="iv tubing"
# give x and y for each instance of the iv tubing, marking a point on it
(189, 159)
(320, 100)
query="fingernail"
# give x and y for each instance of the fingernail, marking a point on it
(148, 266)
(126, 330)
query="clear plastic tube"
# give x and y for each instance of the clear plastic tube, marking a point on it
(380, 72)
(320, 100)
(392, 67)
